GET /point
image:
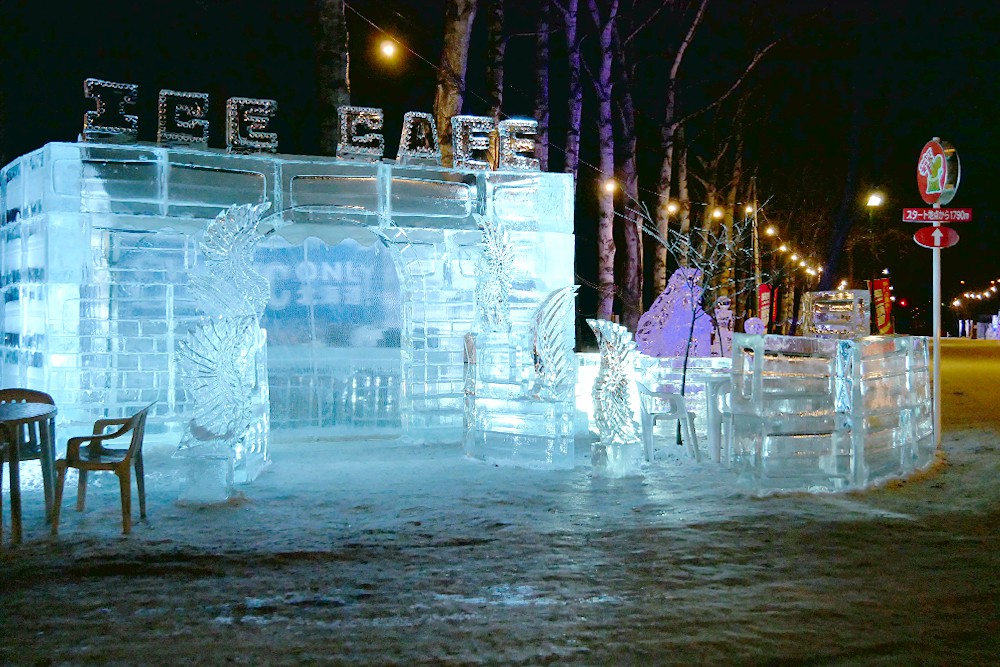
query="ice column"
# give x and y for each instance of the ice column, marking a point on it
(223, 360)
(519, 389)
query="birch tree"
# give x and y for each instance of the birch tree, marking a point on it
(632, 269)
(575, 102)
(603, 87)
(542, 86)
(496, 46)
(332, 70)
(671, 125)
(450, 90)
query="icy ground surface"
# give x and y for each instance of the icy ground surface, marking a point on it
(393, 555)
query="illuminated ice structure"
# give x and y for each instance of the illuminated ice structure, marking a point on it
(373, 270)
(836, 314)
(811, 414)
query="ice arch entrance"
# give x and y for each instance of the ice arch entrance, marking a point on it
(333, 325)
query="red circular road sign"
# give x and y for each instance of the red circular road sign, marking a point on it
(936, 237)
(938, 172)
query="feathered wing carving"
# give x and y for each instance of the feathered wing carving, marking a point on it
(493, 287)
(555, 361)
(218, 363)
(230, 285)
(219, 357)
(613, 411)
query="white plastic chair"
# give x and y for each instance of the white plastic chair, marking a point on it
(657, 405)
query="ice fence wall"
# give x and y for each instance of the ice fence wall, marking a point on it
(372, 271)
(815, 414)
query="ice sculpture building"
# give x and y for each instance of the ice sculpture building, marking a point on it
(372, 273)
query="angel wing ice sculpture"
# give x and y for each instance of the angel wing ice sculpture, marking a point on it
(613, 411)
(493, 286)
(220, 357)
(555, 361)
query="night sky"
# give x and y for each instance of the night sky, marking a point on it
(923, 68)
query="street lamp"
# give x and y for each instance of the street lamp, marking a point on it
(388, 48)
(672, 207)
(874, 199)
(610, 186)
(717, 213)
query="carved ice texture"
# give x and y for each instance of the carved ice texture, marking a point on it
(355, 144)
(837, 314)
(521, 390)
(372, 271)
(247, 119)
(814, 414)
(676, 320)
(182, 118)
(472, 137)
(108, 122)
(514, 144)
(495, 277)
(418, 143)
(222, 357)
(619, 451)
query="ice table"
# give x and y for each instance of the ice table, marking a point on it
(708, 376)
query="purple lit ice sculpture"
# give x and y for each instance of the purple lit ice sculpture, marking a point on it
(675, 318)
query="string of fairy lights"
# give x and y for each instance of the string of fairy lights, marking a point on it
(980, 295)
(793, 256)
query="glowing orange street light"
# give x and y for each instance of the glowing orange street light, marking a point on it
(388, 48)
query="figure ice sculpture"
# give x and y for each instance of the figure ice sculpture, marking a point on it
(676, 321)
(223, 356)
(619, 451)
(725, 320)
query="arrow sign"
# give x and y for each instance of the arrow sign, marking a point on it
(921, 215)
(936, 237)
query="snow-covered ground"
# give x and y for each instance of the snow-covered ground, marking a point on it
(375, 553)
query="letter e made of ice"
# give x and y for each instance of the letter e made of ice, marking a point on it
(247, 119)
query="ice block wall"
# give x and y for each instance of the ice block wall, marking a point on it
(815, 414)
(372, 269)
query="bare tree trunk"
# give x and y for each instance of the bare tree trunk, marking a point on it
(575, 91)
(603, 86)
(682, 187)
(542, 87)
(671, 113)
(451, 75)
(496, 45)
(729, 268)
(843, 219)
(332, 70)
(632, 269)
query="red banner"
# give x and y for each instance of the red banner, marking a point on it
(883, 305)
(764, 303)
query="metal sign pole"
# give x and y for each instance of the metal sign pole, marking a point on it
(936, 296)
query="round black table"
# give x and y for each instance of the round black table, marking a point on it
(14, 417)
